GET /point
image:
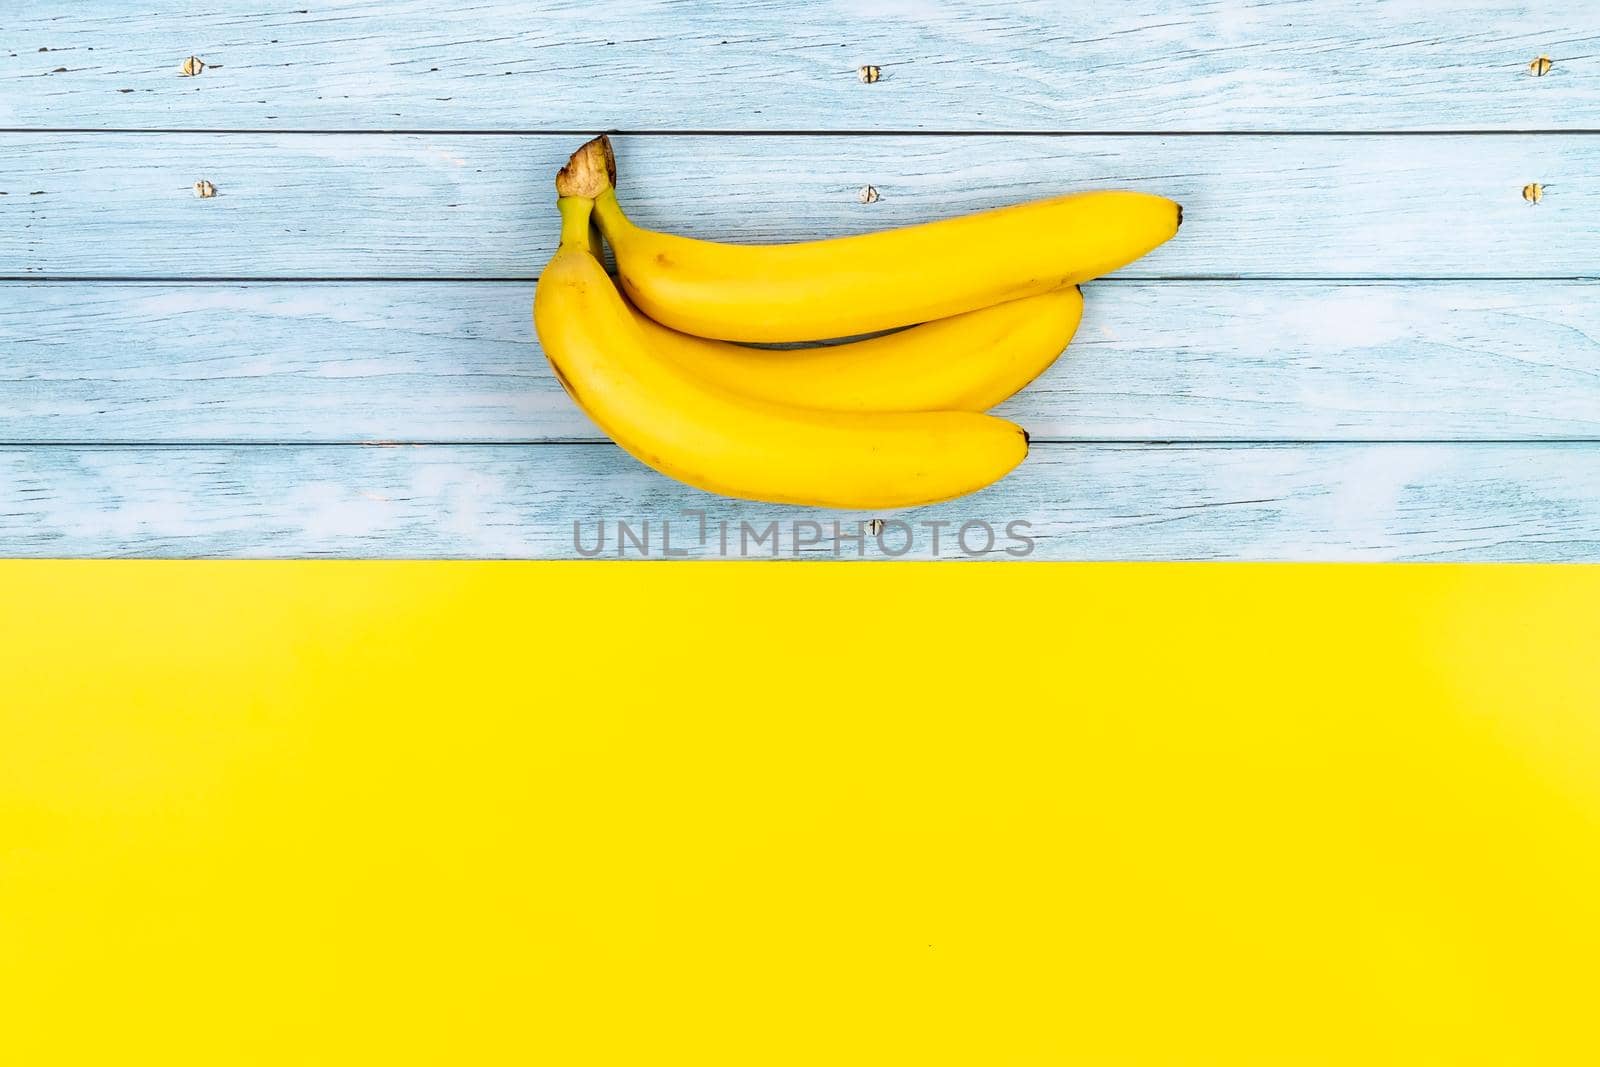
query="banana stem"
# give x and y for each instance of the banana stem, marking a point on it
(609, 214)
(591, 170)
(575, 232)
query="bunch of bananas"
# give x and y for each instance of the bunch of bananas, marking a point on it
(891, 421)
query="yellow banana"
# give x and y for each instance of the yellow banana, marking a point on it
(872, 282)
(736, 445)
(968, 362)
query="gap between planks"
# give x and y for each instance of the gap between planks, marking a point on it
(537, 132)
(1034, 439)
(528, 279)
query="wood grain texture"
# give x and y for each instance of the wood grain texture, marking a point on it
(458, 362)
(394, 206)
(187, 417)
(1521, 502)
(772, 65)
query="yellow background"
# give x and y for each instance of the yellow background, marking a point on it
(335, 813)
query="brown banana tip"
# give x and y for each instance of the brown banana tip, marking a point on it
(590, 171)
(1026, 439)
(1180, 217)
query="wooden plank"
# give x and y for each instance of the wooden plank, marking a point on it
(458, 362)
(767, 64)
(1331, 501)
(123, 205)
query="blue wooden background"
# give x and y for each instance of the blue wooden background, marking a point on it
(1364, 344)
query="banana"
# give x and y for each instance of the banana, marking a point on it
(709, 437)
(872, 282)
(968, 362)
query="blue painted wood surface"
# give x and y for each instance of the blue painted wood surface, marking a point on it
(453, 206)
(994, 65)
(1075, 501)
(1364, 344)
(258, 362)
